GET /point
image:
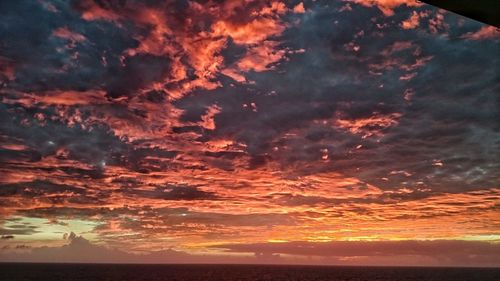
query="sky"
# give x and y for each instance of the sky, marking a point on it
(349, 132)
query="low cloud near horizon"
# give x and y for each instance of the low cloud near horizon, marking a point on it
(370, 253)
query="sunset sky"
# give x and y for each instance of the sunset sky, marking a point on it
(359, 132)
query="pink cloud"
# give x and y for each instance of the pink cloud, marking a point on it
(484, 33)
(66, 33)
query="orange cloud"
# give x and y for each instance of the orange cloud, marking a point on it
(484, 33)
(387, 6)
(92, 11)
(208, 119)
(234, 74)
(64, 98)
(65, 33)
(252, 32)
(371, 126)
(260, 57)
(299, 8)
(412, 22)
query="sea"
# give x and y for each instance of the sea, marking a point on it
(122, 272)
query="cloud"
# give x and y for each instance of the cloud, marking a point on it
(386, 6)
(412, 22)
(439, 252)
(65, 33)
(299, 8)
(81, 250)
(485, 32)
(429, 253)
(172, 192)
(17, 229)
(46, 191)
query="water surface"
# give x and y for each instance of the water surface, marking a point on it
(107, 272)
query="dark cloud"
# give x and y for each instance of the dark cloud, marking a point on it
(173, 192)
(442, 251)
(18, 229)
(463, 253)
(28, 40)
(360, 248)
(139, 71)
(81, 250)
(37, 188)
(55, 138)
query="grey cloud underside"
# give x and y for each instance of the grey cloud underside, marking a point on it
(452, 117)
(358, 248)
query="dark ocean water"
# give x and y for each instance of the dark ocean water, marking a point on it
(94, 272)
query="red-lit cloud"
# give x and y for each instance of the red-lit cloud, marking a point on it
(386, 6)
(485, 32)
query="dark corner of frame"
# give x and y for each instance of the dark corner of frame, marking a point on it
(486, 11)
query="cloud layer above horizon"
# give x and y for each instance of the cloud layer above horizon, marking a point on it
(261, 130)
